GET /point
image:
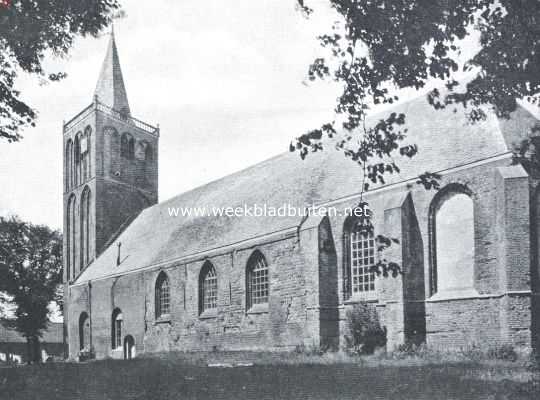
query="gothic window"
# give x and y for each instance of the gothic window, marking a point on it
(84, 332)
(70, 238)
(116, 331)
(77, 159)
(362, 259)
(359, 258)
(148, 153)
(162, 295)
(85, 228)
(126, 141)
(69, 161)
(207, 288)
(131, 149)
(86, 149)
(452, 241)
(257, 280)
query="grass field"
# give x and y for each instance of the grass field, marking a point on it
(291, 376)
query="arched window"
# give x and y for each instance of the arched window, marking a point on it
(124, 145)
(257, 281)
(84, 332)
(452, 241)
(116, 331)
(87, 152)
(85, 228)
(70, 237)
(131, 148)
(77, 158)
(207, 288)
(162, 295)
(149, 153)
(359, 251)
(69, 161)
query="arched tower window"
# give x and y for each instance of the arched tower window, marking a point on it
(359, 259)
(131, 148)
(85, 212)
(70, 237)
(116, 328)
(452, 241)
(77, 159)
(162, 295)
(85, 150)
(125, 141)
(208, 287)
(68, 168)
(84, 332)
(149, 152)
(257, 282)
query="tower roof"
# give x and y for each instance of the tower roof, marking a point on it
(110, 88)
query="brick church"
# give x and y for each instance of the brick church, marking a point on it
(139, 280)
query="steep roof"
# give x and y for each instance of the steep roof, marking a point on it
(445, 140)
(110, 88)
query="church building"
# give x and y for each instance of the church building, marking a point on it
(140, 279)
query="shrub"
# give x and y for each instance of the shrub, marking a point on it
(310, 350)
(504, 352)
(365, 331)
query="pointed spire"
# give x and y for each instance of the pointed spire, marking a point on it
(110, 89)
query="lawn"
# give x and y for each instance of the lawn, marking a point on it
(229, 376)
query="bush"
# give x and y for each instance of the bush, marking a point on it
(365, 331)
(504, 352)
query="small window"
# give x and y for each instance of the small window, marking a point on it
(257, 280)
(207, 288)
(162, 295)
(117, 325)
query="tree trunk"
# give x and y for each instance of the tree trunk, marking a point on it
(29, 348)
(36, 350)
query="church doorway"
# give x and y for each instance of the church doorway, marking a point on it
(129, 347)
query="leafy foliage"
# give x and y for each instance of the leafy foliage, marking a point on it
(30, 272)
(379, 47)
(29, 30)
(365, 331)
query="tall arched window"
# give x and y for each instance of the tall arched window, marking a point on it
(116, 328)
(452, 241)
(88, 133)
(84, 148)
(85, 228)
(162, 295)
(84, 332)
(124, 145)
(69, 161)
(359, 259)
(208, 293)
(77, 159)
(70, 237)
(131, 148)
(149, 153)
(257, 281)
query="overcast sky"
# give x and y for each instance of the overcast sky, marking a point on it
(224, 81)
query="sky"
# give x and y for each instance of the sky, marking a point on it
(224, 81)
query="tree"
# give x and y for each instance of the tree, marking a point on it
(379, 47)
(30, 273)
(28, 31)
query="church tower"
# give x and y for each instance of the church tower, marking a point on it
(110, 169)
